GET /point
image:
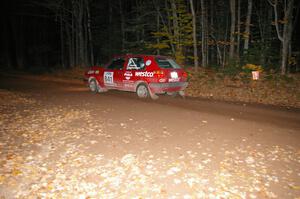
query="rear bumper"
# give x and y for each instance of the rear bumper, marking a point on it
(167, 87)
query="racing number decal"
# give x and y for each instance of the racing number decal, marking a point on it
(108, 77)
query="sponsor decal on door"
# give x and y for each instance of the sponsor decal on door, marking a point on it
(128, 75)
(144, 74)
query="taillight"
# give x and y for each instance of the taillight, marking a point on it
(184, 74)
(159, 73)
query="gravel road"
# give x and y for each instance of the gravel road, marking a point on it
(58, 140)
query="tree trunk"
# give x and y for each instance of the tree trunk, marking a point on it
(194, 36)
(122, 18)
(224, 46)
(137, 28)
(286, 36)
(90, 34)
(110, 37)
(85, 35)
(232, 29)
(238, 29)
(17, 27)
(204, 34)
(62, 41)
(219, 54)
(6, 37)
(169, 26)
(80, 34)
(176, 31)
(72, 44)
(247, 28)
(211, 52)
(157, 29)
(76, 33)
(69, 45)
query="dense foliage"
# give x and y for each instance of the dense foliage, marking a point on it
(228, 34)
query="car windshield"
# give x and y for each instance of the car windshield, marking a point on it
(167, 63)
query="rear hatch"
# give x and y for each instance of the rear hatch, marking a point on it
(170, 70)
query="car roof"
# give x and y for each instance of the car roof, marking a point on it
(140, 55)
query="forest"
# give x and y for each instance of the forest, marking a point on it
(220, 34)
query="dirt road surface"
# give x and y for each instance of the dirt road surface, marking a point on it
(58, 140)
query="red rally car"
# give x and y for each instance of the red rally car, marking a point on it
(147, 75)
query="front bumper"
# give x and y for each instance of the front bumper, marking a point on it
(167, 87)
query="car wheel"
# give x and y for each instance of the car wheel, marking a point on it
(93, 85)
(142, 91)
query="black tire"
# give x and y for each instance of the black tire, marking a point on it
(93, 85)
(142, 91)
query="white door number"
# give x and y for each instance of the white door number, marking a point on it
(108, 77)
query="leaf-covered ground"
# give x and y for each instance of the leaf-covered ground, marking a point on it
(49, 151)
(270, 89)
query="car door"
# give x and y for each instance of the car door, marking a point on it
(133, 64)
(113, 75)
